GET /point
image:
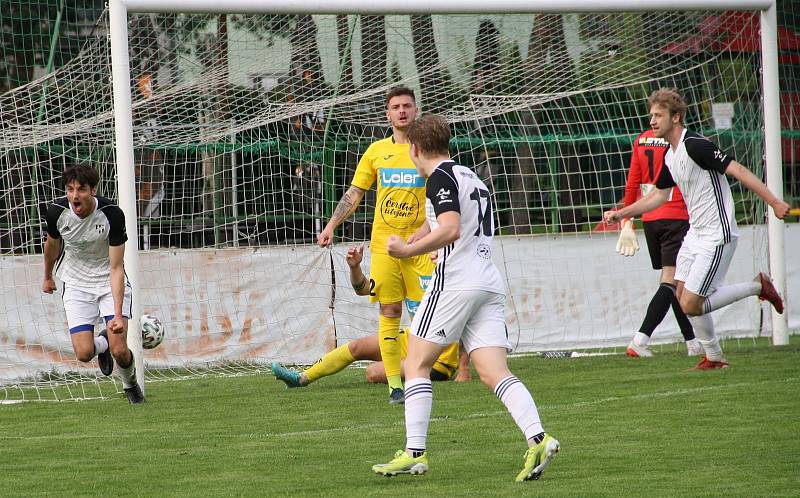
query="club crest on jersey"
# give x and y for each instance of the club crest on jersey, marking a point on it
(484, 251)
(400, 177)
(100, 228)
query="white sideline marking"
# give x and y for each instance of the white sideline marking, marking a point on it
(357, 428)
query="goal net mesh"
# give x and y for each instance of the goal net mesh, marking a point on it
(248, 128)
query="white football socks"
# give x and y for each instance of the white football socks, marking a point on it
(728, 294)
(519, 402)
(100, 345)
(641, 339)
(419, 400)
(704, 330)
(128, 373)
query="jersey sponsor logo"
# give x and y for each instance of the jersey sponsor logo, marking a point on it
(443, 195)
(386, 158)
(652, 142)
(400, 177)
(440, 333)
(467, 173)
(424, 282)
(400, 209)
(412, 307)
(484, 251)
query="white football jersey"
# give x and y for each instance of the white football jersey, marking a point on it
(467, 262)
(83, 261)
(698, 167)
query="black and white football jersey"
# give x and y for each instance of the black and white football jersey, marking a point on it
(466, 263)
(698, 167)
(83, 261)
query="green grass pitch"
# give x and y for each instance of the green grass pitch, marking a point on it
(628, 427)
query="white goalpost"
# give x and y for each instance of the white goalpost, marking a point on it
(122, 97)
(227, 132)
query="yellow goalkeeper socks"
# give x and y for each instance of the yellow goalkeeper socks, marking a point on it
(388, 332)
(329, 364)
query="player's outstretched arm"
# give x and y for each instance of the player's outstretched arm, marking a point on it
(52, 248)
(359, 281)
(449, 230)
(751, 181)
(347, 204)
(654, 199)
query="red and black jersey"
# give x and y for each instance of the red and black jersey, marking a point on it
(646, 163)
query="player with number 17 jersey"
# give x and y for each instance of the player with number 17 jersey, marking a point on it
(465, 264)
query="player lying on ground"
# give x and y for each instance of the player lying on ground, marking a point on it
(86, 235)
(366, 348)
(699, 169)
(664, 229)
(465, 302)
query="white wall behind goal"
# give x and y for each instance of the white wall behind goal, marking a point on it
(274, 303)
(575, 291)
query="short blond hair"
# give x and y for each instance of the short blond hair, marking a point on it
(670, 99)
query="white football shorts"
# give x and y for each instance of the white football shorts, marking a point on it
(474, 317)
(85, 305)
(703, 266)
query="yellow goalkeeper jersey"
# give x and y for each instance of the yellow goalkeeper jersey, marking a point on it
(400, 204)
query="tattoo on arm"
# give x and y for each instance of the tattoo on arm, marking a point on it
(347, 204)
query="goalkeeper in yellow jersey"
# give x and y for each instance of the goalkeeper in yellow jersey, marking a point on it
(399, 210)
(365, 348)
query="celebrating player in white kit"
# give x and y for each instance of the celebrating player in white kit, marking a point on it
(464, 301)
(86, 243)
(698, 168)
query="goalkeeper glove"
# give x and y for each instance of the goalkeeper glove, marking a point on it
(627, 245)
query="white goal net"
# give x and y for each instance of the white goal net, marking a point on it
(247, 130)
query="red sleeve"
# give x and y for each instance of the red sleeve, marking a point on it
(632, 190)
